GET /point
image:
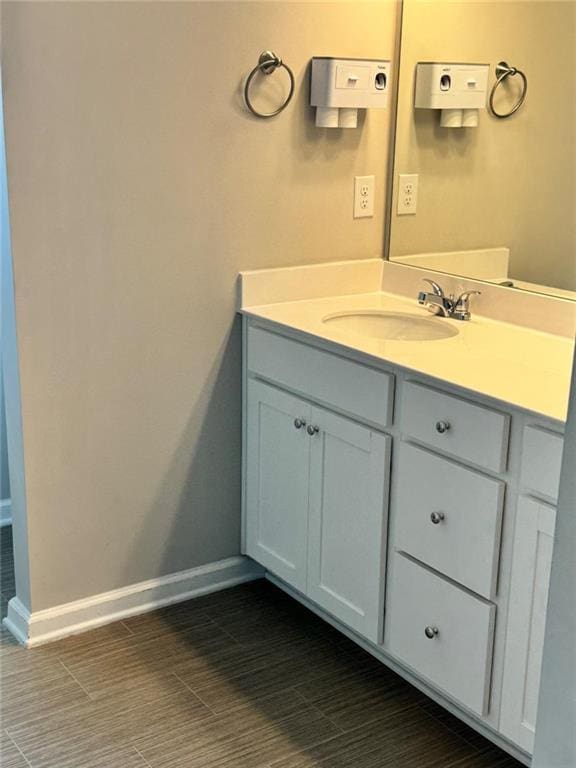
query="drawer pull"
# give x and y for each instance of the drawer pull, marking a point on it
(442, 427)
(299, 423)
(437, 517)
(431, 632)
(312, 430)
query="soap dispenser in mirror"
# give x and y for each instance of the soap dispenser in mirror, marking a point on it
(457, 90)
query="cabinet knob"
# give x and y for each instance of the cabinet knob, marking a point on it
(431, 632)
(442, 427)
(299, 423)
(312, 430)
(437, 517)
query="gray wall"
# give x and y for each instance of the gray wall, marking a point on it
(12, 389)
(4, 475)
(139, 187)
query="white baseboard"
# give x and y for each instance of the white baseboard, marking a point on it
(17, 620)
(5, 512)
(32, 629)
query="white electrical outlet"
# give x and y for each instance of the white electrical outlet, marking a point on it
(407, 194)
(363, 196)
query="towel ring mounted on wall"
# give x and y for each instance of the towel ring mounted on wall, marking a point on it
(268, 63)
(503, 71)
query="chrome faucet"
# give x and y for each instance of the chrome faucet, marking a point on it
(447, 306)
(435, 302)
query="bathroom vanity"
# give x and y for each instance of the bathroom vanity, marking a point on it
(413, 510)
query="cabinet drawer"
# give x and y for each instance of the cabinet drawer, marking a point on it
(449, 519)
(541, 462)
(458, 427)
(347, 386)
(458, 659)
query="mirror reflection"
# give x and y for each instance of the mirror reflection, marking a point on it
(485, 180)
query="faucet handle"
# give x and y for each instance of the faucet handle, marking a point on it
(461, 309)
(437, 289)
(462, 300)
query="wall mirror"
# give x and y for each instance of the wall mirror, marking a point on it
(495, 202)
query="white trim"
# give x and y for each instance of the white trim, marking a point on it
(32, 629)
(17, 620)
(5, 512)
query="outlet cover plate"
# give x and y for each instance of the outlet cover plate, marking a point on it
(407, 194)
(364, 196)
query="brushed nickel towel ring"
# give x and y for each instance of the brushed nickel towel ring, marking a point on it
(503, 71)
(268, 63)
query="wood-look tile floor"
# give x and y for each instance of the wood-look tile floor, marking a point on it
(244, 678)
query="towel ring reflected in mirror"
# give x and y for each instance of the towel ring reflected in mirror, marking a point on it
(268, 63)
(503, 72)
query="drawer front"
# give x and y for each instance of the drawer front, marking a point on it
(458, 427)
(458, 659)
(541, 462)
(450, 519)
(347, 386)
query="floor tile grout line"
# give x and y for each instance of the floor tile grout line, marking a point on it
(314, 706)
(231, 710)
(141, 756)
(204, 621)
(113, 646)
(231, 676)
(455, 732)
(408, 705)
(130, 631)
(154, 634)
(266, 664)
(462, 761)
(347, 731)
(73, 676)
(193, 692)
(308, 747)
(459, 761)
(226, 632)
(263, 726)
(18, 748)
(383, 719)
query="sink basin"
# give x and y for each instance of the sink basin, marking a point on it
(391, 326)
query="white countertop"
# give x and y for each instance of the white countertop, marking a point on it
(519, 366)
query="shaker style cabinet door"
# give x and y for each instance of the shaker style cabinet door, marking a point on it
(531, 563)
(349, 471)
(278, 457)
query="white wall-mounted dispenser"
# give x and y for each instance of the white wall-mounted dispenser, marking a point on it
(340, 87)
(458, 90)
